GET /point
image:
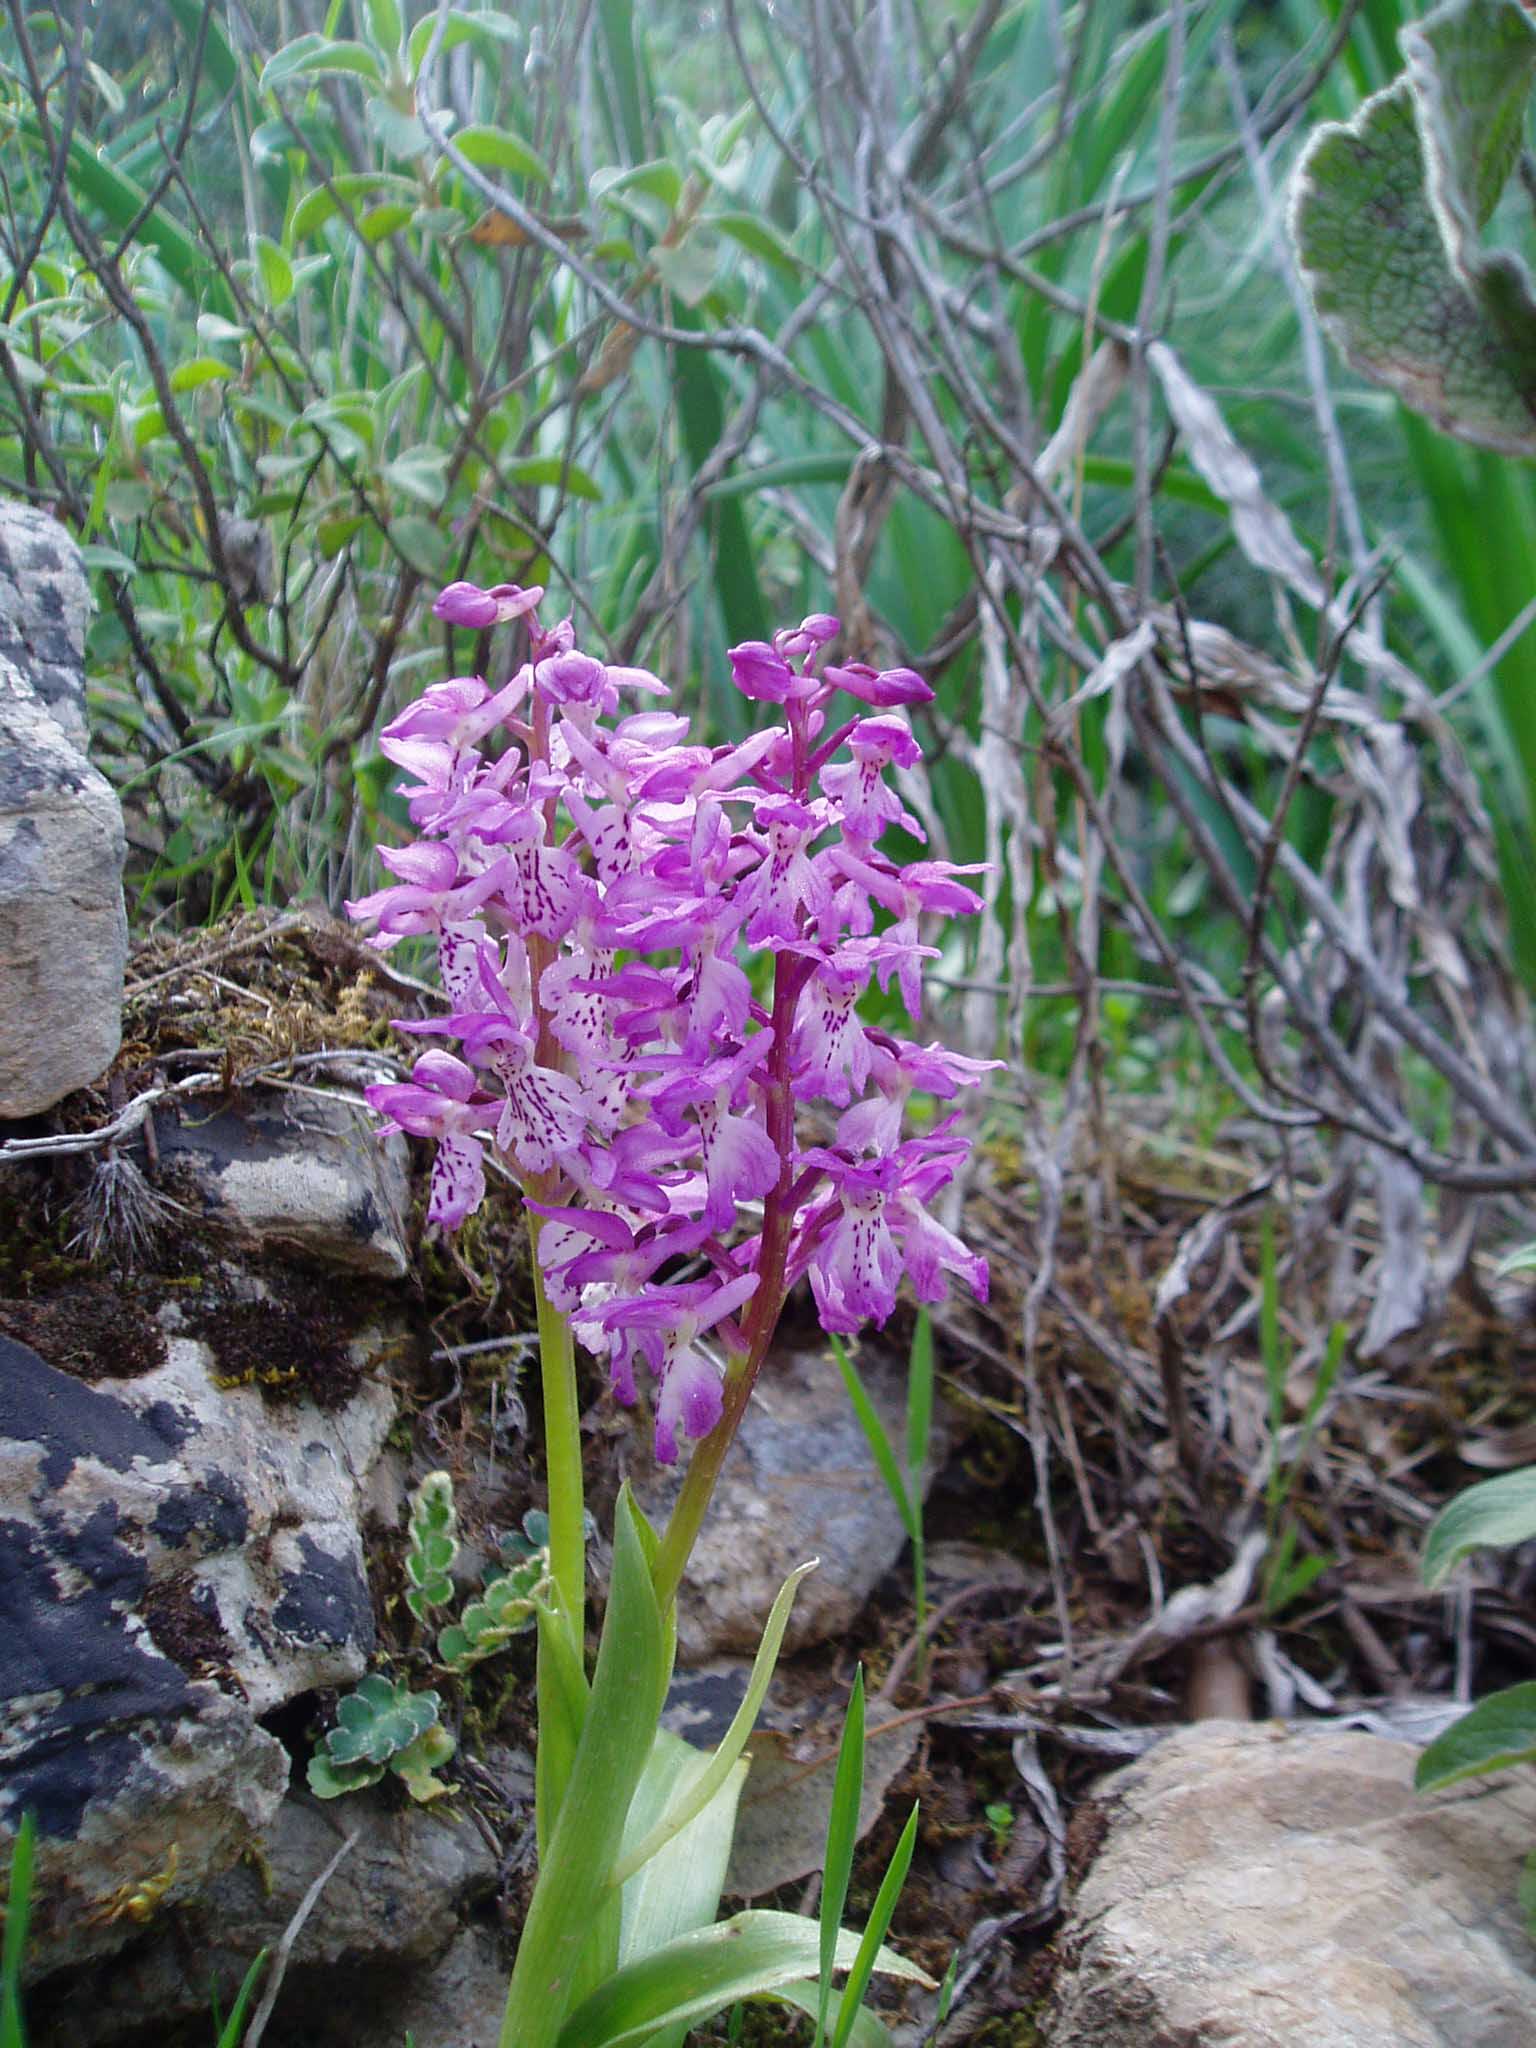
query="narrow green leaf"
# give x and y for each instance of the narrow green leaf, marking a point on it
(499, 149)
(219, 61)
(874, 1933)
(14, 1945)
(121, 201)
(867, 2030)
(842, 1839)
(230, 2032)
(876, 1436)
(1491, 1515)
(754, 1955)
(1499, 1732)
(920, 1398)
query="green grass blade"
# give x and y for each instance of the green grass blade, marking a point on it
(229, 2033)
(18, 1911)
(842, 1838)
(880, 1448)
(875, 1932)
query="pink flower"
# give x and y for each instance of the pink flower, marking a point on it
(466, 604)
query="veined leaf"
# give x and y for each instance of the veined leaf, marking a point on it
(1491, 1515)
(1499, 1732)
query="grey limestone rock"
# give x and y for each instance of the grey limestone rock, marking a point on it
(799, 1483)
(1270, 1887)
(394, 1904)
(177, 1558)
(307, 1173)
(63, 931)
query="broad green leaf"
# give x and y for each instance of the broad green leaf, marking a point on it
(274, 269)
(498, 149)
(678, 1888)
(701, 1974)
(712, 1776)
(213, 328)
(1491, 1515)
(867, 2030)
(402, 134)
(1499, 1732)
(380, 222)
(321, 205)
(386, 25)
(95, 556)
(659, 180)
(688, 268)
(421, 473)
(317, 56)
(425, 546)
(198, 371)
(628, 1686)
(1387, 221)
(553, 469)
(486, 31)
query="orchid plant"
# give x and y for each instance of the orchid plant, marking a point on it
(595, 883)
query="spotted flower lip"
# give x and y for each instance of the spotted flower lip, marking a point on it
(655, 954)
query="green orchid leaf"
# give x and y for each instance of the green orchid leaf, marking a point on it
(1494, 1514)
(628, 1687)
(753, 1955)
(676, 1887)
(1499, 1732)
(708, 1782)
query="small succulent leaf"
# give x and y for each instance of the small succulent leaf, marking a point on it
(415, 1764)
(536, 1528)
(454, 1651)
(1498, 1733)
(329, 1781)
(1387, 215)
(1494, 1514)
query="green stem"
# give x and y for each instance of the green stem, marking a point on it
(692, 1503)
(562, 1451)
